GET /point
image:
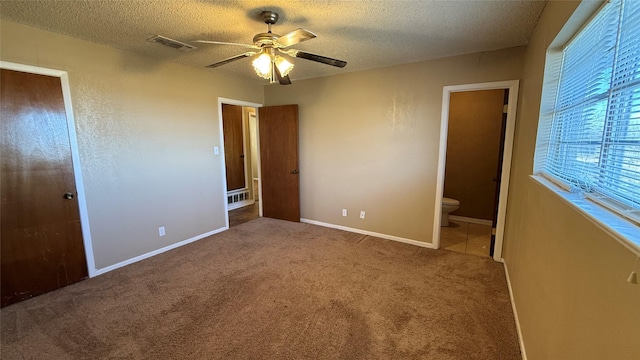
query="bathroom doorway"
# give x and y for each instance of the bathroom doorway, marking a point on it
(476, 141)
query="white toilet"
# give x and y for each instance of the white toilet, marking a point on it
(448, 205)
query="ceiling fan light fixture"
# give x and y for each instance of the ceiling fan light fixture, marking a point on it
(262, 65)
(266, 63)
(284, 66)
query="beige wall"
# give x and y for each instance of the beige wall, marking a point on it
(473, 151)
(369, 140)
(146, 131)
(568, 276)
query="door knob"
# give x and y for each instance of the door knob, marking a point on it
(295, 171)
(68, 196)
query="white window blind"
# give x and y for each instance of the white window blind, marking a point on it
(593, 143)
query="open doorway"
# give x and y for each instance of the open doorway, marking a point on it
(276, 162)
(483, 216)
(242, 163)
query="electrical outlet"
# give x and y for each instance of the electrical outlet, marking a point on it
(344, 212)
(361, 214)
(161, 231)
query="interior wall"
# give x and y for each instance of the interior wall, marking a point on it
(146, 131)
(473, 151)
(568, 275)
(369, 140)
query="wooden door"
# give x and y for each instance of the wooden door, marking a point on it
(41, 245)
(233, 146)
(278, 129)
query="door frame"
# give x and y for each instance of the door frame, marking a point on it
(221, 101)
(75, 153)
(512, 86)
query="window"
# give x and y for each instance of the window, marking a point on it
(589, 133)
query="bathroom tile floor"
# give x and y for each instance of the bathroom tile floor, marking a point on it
(466, 237)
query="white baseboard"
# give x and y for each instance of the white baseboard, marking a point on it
(156, 252)
(471, 220)
(370, 233)
(515, 312)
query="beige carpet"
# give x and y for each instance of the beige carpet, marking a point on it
(271, 289)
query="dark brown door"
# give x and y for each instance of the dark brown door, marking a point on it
(278, 128)
(42, 247)
(233, 146)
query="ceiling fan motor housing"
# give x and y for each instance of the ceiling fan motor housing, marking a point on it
(263, 39)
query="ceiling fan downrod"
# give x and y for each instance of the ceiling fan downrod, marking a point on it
(269, 18)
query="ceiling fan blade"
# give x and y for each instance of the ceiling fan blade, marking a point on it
(294, 37)
(318, 58)
(234, 58)
(283, 80)
(225, 43)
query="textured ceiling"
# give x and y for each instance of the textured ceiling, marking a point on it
(366, 34)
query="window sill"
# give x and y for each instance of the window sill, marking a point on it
(627, 233)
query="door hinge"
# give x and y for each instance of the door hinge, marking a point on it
(493, 231)
(505, 108)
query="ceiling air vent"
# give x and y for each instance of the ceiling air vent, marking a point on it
(163, 40)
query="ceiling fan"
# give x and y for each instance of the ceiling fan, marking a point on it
(268, 49)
